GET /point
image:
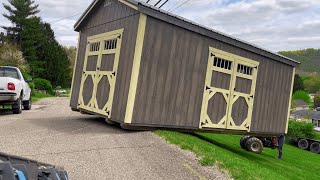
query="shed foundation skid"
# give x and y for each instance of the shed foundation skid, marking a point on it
(144, 67)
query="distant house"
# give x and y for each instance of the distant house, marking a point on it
(300, 105)
(316, 120)
(302, 115)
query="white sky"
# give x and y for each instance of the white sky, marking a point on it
(273, 24)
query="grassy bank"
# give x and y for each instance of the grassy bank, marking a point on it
(37, 96)
(224, 151)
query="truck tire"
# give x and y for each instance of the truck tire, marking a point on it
(315, 147)
(243, 141)
(303, 144)
(17, 107)
(27, 104)
(254, 144)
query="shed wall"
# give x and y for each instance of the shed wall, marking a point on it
(172, 77)
(101, 20)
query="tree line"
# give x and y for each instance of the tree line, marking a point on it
(42, 55)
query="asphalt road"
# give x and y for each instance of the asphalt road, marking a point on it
(88, 148)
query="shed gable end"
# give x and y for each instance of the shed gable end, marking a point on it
(103, 12)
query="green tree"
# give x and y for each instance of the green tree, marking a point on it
(19, 12)
(312, 83)
(12, 56)
(71, 52)
(32, 37)
(298, 83)
(302, 95)
(316, 100)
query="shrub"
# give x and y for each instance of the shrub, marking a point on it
(300, 129)
(302, 95)
(43, 84)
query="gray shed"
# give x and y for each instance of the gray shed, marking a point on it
(141, 66)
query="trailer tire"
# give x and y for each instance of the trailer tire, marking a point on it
(254, 144)
(315, 147)
(303, 144)
(243, 141)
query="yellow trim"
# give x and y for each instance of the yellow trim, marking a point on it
(75, 63)
(136, 68)
(231, 96)
(128, 4)
(107, 34)
(291, 91)
(98, 75)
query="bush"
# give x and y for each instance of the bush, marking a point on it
(43, 84)
(302, 95)
(300, 129)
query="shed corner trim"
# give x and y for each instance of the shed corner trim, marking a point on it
(129, 4)
(289, 105)
(135, 68)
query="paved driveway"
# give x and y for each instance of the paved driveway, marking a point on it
(88, 148)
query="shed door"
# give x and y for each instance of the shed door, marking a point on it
(100, 72)
(229, 89)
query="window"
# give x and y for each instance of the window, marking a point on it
(94, 46)
(107, 3)
(9, 72)
(110, 44)
(222, 63)
(243, 69)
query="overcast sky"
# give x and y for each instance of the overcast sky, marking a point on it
(273, 24)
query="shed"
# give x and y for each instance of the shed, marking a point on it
(141, 66)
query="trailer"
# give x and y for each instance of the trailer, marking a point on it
(19, 168)
(143, 67)
(308, 144)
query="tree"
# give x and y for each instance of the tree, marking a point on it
(19, 12)
(298, 83)
(302, 95)
(31, 39)
(71, 52)
(316, 100)
(12, 56)
(312, 83)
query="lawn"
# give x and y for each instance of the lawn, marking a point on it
(224, 151)
(37, 96)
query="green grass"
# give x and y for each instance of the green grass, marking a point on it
(37, 96)
(224, 151)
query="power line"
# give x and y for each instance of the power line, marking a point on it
(157, 3)
(173, 5)
(180, 5)
(65, 18)
(163, 3)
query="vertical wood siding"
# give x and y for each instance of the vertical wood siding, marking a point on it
(101, 20)
(172, 77)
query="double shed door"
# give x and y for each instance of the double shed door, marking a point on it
(229, 91)
(100, 72)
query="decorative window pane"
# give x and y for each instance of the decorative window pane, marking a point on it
(110, 44)
(107, 3)
(222, 63)
(243, 69)
(94, 46)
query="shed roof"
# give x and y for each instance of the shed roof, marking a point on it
(192, 26)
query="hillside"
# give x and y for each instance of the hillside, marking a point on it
(309, 58)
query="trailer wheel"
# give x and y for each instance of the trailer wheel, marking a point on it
(315, 147)
(254, 144)
(303, 144)
(243, 141)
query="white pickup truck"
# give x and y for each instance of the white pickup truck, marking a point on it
(14, 89)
